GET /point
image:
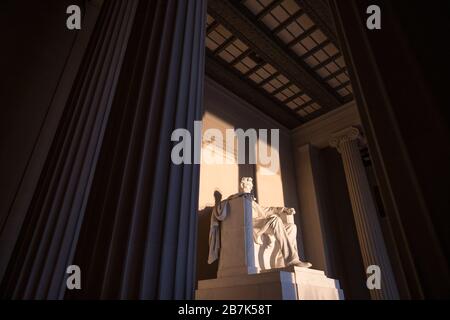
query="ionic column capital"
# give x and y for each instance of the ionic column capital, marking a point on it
(345, 136)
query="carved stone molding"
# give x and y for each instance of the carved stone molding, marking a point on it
(346, 136)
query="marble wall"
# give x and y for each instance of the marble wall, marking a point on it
(223, 110)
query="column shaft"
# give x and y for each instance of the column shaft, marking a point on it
(364, 210)
(109, 198)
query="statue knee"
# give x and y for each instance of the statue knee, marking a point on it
(276, 219)
(291, 227)
(291, 230)
(276, 222)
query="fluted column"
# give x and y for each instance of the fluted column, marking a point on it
(50, 231)
(368, 228)
(110, 199)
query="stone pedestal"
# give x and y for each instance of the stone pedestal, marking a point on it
(290, 283)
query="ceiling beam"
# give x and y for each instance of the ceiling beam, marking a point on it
(224, 45)
(220, 72)
(342, 85)
(252, 70)
(239, 58)
(268, 9)
(327, 61)
(284, 87)
(286, 23)
(212, 27)
(335, 74)
(304, 106)
(295, 96)
(268, 79)
(266, 47)
(316, 49)
(303, 36)
(320, 14)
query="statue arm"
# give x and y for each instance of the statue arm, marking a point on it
(286, 214)
(280, 210)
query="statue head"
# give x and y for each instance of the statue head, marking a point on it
(246, 185)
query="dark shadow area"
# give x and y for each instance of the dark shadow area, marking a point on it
(341, 231)
(400, 76)
(35, 46)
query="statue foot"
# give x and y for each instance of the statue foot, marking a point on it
(301, 264)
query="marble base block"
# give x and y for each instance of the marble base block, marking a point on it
(290, 283)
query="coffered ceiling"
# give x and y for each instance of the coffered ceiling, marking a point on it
(280, 55)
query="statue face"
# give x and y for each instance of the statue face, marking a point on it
(246, 185)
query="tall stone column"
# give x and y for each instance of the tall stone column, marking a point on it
(368, 228)
(109, 198)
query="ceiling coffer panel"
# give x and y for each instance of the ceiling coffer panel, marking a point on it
(275, 46)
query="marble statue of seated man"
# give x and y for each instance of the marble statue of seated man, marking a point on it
(266, 220)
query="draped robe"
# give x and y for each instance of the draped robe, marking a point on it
(265, 220)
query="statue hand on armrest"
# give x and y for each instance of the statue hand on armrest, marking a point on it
(289, 211)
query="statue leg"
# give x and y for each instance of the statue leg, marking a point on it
(291, 231)
(284, 237)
